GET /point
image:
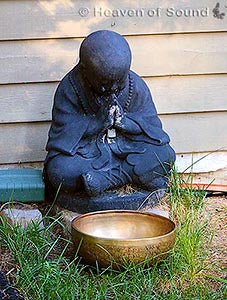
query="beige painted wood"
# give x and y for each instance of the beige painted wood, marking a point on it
(49, 60)
(201, 162)
(207, 168)
(197, 132)
(174, 94)
(26, 102)
(218, 178)
(30, 165)
(25, 142)
(177, 94)
(25, 19)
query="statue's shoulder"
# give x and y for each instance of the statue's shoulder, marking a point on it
(68, 81)
(66, 93)
(139, 84)
(67, 88)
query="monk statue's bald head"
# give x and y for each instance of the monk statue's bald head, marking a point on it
(105, 58)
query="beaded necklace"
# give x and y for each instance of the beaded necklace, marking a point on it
(126, 105)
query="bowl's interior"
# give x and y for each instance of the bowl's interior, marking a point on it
(123, 225)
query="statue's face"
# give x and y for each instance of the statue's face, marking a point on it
(105, 86)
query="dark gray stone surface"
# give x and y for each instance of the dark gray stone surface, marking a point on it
(105, 131)
(109, 200)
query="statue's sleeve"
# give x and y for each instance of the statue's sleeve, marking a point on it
(143, 113)
(127, 125)
(69, 122)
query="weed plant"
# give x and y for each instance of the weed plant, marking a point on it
(44, 270)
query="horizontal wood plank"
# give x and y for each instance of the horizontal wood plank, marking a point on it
(23, 19)
(49, 60)
(185, 94)
(198, 163)
(26, 102)
(22, 165)
(175, 94)
(25, 142)
(208, 169)
(197, 132)
(216, 180)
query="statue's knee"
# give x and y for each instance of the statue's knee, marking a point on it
(157, 178)
(62, 172)
(165, 161)
(55, 172)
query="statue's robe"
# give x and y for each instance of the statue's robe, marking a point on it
(77, 128)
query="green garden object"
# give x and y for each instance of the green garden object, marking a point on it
(23, 185)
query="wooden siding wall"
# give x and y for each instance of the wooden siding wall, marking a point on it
(182, 59)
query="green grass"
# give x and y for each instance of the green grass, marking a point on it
(45, 270)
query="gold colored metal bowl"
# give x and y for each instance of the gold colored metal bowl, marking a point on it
(120, 236)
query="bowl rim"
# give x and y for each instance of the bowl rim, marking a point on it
(120, 239)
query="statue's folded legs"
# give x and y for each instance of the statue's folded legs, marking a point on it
(149, 170)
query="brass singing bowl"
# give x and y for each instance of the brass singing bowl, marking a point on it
(119, 237)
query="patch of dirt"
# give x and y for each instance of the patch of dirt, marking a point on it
(8, 270)
(216, 210)
(164, 204)
(6, 261)
(7, 264)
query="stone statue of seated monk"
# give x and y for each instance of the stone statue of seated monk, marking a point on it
(105, 131)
